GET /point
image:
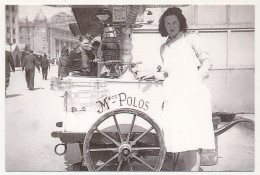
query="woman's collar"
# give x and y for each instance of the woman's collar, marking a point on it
(180, 34)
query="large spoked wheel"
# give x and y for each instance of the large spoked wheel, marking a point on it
(127, 149)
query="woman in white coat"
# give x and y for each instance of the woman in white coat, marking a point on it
(187, 117)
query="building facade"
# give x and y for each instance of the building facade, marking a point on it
(12, 25)
(48, 37)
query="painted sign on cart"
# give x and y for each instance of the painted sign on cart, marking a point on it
(122, 99)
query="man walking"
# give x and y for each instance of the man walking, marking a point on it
(45, 65)
(8, 62)
(29, 64)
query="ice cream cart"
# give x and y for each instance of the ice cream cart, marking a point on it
(115, 119)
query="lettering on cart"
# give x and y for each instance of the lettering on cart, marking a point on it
(103, 105)
(123, 100)
(133, 101)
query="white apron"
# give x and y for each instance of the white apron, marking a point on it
(187, 111)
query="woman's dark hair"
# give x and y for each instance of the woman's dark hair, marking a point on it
(172, 11)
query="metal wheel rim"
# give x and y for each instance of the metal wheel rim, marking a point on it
(136, 113)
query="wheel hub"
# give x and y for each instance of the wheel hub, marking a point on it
(125, 150)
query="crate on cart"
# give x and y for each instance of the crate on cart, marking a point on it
(82, 96)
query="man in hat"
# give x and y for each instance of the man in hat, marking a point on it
(80, 60)
(45, 65)
(29, 64)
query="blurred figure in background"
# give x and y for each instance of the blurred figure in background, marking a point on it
(9, 62)
(45, 65)
(62, 62)
(29, 63)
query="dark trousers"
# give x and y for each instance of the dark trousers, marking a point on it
(7, 79)
(44, 73)
(29, 75)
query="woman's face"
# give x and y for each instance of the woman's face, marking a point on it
(172, 25)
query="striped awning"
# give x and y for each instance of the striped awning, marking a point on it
(74, 28)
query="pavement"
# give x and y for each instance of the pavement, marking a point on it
(236, 147)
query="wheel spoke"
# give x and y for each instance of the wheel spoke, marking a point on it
(119, 164)
(104, 149)
(124, 152)
(143, 162)
(130, 165)
(107, 136)
(118, 129)
(141, 136)
(145, 148)
(130, 130)
(112, 158)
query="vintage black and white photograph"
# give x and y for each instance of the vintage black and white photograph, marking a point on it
(128, 87)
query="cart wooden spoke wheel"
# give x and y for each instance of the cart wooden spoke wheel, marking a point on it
(127, 150)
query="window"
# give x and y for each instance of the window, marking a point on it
(7, 29)
(6, 7)
(21, 40)
(218, 14)
(8, 40)
(242, 14)
(23, 30)
(13, 9)
(14, 40)
(7, 18)
(13, 19)
(13, 31)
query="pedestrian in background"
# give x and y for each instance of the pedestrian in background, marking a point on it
(29, 64)
(45, 65)
(62, 62)
(9, 62)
